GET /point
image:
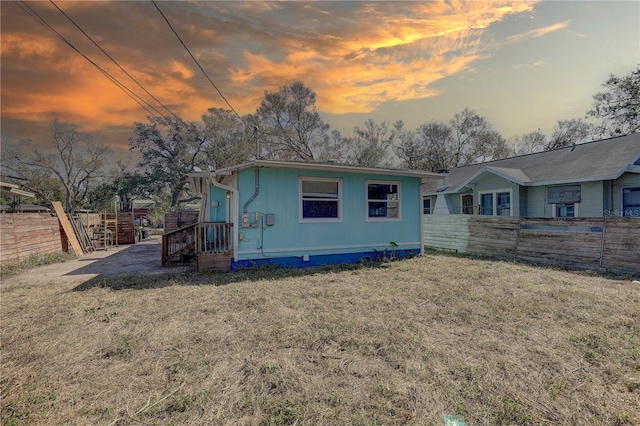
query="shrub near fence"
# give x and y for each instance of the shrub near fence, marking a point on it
(26, 234)
(605, 244)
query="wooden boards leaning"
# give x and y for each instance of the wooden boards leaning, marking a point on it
(62, 217)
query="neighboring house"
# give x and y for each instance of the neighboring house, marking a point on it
(24, 208)
(594, 179)
(13, 192)
(305, 214)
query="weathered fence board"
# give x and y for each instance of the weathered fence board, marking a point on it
(26, 234)
(177, 220)
(611, 244)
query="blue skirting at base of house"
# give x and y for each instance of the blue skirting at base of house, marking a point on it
(322, 259)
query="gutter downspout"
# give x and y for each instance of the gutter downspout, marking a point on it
(257, 178)
(255, 194)
(234, 214)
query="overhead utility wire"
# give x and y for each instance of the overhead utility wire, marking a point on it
(114, 61)
(196, 61)
(122, 87)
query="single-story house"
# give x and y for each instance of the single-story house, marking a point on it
(305, 214)
(13, 191)
(594, 179)
(24, 208)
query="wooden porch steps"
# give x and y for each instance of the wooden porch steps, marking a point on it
(214, 262)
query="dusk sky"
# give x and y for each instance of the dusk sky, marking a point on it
(522, 65)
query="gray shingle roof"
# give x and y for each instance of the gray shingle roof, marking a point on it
(599, 160)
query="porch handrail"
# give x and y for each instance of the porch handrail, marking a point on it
(177, 242)
(214, 237)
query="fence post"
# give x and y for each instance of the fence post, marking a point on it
(604, 231)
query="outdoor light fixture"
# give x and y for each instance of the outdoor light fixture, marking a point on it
(228, 195)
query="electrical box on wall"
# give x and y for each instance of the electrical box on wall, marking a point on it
(250, 220)
(270, 219)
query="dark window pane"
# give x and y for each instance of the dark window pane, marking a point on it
(382, 191)
(319, 209)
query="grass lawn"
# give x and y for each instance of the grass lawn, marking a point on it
(409, 342)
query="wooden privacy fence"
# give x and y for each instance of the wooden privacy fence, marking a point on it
(26, 234)
(177, 220)
(604, 244)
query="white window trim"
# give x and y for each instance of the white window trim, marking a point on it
(301, 219)
(554, 208)
(366, 201)
(495, 206)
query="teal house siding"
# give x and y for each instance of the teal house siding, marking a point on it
(262, 200)
(289, 236)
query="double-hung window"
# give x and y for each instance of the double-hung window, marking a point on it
(320, 199)
(383, 200)
(426, 206)
(495, 203)
(631, 202)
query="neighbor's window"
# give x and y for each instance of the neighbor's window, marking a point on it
(631, 202)
(320, 199)
(467, 203)
(565, 210)
(426, 206)
(503, 204)
(486, 204)
(495, 203)
(383, 200)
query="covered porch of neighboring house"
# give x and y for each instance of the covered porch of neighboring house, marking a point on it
(211, 243)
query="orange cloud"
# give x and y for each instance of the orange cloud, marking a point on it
(355, 55)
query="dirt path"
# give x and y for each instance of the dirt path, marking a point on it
(137, 259)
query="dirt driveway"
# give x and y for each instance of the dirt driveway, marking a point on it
(144, 258)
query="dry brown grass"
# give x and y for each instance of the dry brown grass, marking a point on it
(401, 343)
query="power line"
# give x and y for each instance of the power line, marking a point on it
(196, 61)
(114, 61)
(115, 81)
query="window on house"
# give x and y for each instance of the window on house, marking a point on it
(426, 206)
(383, 200)
(565, 210)
(631, 202)
(486, 204)
(467, 204)
(503, 204)
(495, 203)
(320, 199)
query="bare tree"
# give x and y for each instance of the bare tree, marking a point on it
(530, 142)
(290, 126)
(565, 133)
(228, 140)
(76, 162)
(370, 145)
(569, 132)
(467, 139)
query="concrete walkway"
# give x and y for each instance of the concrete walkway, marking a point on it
(144, 258)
